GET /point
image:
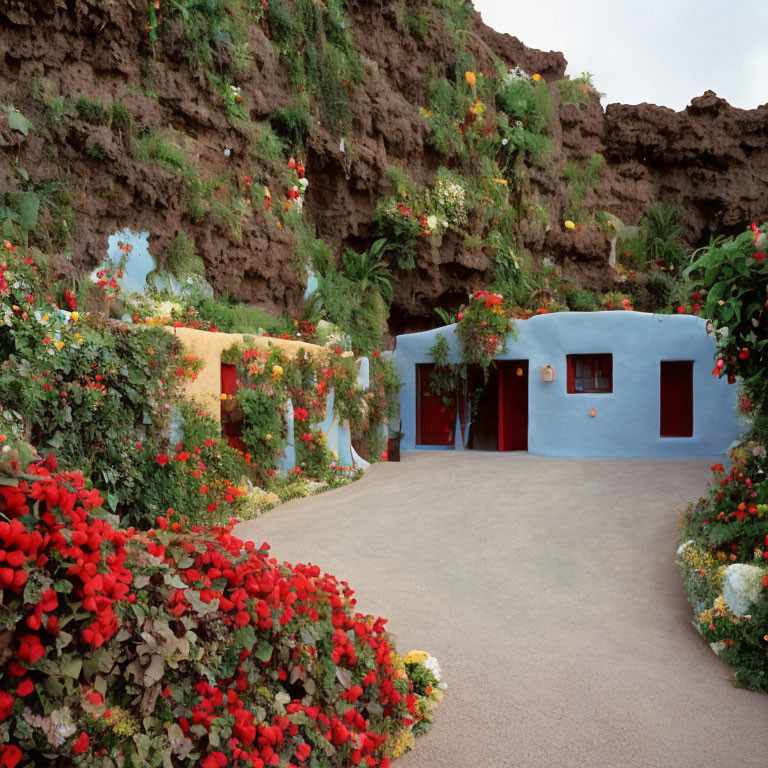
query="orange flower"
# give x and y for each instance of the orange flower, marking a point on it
(471, 79)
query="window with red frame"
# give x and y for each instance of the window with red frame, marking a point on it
(590, 374)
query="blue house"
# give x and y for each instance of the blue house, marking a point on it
(623, 384)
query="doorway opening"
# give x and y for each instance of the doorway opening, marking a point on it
(500, 407)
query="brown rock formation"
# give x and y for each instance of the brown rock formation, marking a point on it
(711, 158)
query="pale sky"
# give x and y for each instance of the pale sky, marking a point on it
(660, 51)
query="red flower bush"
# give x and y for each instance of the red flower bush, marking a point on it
(108, 636)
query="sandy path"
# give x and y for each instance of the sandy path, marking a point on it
(548, 591)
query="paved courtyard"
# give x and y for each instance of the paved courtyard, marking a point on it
(548, 591)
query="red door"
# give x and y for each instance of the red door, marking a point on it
(435, 421)
(231, 427)
(676, 398)
(513, 405)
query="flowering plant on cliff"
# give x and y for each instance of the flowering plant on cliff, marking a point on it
(484, 326)
(181, 645)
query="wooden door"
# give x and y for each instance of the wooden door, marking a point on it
(513, 405)
(676, 398)
(435, 421)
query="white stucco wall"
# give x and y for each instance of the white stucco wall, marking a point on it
(627, 421)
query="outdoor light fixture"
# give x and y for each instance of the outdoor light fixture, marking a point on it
(548, 373)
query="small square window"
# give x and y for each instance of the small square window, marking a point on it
(590, 374)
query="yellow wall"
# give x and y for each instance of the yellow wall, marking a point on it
(205, 390)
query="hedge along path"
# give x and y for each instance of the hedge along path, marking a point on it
(205, 389)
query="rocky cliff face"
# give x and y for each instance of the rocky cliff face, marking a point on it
(711, 158)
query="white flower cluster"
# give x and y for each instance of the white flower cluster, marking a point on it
(742, 586)
(450, 198)
(433, 666)
(516, 74)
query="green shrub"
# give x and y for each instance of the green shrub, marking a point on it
(581, 179)
(155, 148)
(231, 316)
(91, 111)
(417, 24)
(97, 151)
(121, 117)
(268, 147)
(580, 300)
(527, 101)
(281, 22)
(181, 259)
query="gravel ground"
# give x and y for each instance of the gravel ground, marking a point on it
(548, 591)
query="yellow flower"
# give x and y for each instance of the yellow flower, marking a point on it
(471, 79)
(404, 742)
(501, 181)
(79, 338)
(75, 316)
(415, 657)
(268, 438)
(277, 371)
(58, 344)
(223, 396)
(570, 225)
(536, 77)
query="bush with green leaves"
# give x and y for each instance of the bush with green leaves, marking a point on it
(724, 538)
(106, 398)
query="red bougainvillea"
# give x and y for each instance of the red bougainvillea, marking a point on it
(181, 641)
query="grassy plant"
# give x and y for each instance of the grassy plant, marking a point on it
(155, 148)
(268, 147)
(662, 232)
(91, 111)
(581, 179)
(57, 221)
(370, 270)
(577, 90)
(97, 151)
(316, 44)
(231, 316)
(121, 117)
(417, 24)
(181, 259)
